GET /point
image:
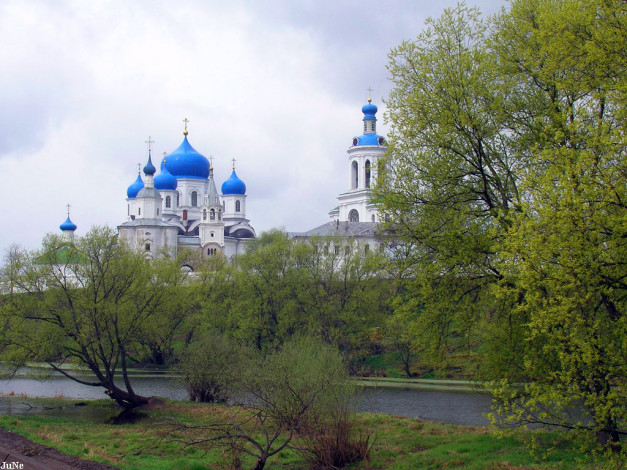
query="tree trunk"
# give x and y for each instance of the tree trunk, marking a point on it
(125, 399)
(261, 463)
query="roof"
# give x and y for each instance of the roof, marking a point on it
(146, 222)
(341, 229)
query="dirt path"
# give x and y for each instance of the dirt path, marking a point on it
(17, 449)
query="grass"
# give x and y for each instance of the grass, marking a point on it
(399, 443)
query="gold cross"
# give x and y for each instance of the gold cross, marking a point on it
(369, 90)
(68, 209)
(139, 168)
(185, 121)
(149, 142)
(164, 155)
(233, 163)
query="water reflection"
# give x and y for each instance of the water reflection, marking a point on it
(448, 407)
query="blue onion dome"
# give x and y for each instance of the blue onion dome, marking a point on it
(369, 110)
(233, 185)
(149, 169)
(134, 188)
(165, 180)
(186, 162)
(68, 225)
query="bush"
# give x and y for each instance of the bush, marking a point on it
(210, 366)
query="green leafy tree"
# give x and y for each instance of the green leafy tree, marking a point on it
(285, 397)
(565, 255)
(507, 180)
(449, 182)
(284, 287)
(86, 302)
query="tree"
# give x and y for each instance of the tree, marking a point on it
(210, 366)
(87, 302)
(507, 177)
(449, 182)
(284, 287)
(283, 396)
(565, 255)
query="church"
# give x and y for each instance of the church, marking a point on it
(180, 207)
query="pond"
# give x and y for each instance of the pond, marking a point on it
(453, 407)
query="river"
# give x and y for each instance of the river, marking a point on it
(453, 407)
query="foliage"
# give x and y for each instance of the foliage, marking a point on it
(282, 395)
(88, 307)
(282, 287)
(211, 365)
(506, 183)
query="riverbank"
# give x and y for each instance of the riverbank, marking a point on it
(151, 441)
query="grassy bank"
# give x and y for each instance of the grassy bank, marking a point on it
(399, 443)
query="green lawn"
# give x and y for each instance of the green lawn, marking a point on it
(398, 443)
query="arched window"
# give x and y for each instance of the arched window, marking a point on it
(178, 199)
(139, 211)
(373, 218)
(147, 246)
(194, 199)
(212, 214)
(204, 214)
(219, 215)
(367, 173)
(237, 206)
(353, 216)
(354, 175)
(168, 202)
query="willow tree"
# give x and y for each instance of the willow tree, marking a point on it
(86, 303)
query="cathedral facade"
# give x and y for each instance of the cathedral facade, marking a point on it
(181, 208)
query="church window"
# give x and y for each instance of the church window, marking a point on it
(373, 218)
(367, 173)
(354, 175)
(194, 199)
(139, 211)
(178, 198)
(237, 206)
(337, 250)
(366, 248)
(365, 126)
(212, 214)
(147, 247)
(168, 201)
(353, 216)
(211, 251)
(212, 234)
(219, 215)
(157, 211)
(204, 214)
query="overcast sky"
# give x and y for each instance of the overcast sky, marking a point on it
(277, 84)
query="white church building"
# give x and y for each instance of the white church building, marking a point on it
(180, 207)
(356, 215)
